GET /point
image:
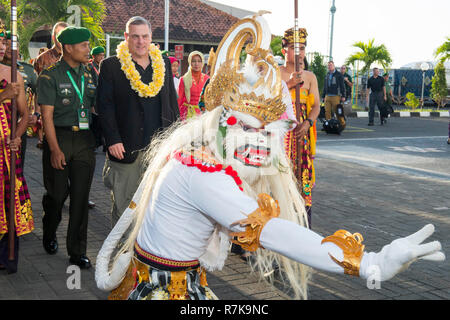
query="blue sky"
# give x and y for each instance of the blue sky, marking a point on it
(410, 29)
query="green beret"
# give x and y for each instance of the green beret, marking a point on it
(97, 50)
(73, 35)
(165, 53)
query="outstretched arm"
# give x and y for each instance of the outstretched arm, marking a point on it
(341, 252)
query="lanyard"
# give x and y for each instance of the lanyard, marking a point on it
(80, 94)
(96, 71)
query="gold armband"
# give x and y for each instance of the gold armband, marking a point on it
(352, 247)
(255, 222)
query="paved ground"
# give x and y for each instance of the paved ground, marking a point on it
(354, 192)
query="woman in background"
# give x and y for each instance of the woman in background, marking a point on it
(191, 86)
(176, 78)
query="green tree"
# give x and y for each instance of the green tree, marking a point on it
(33, 14)
(443, 51)
(439, 85)
(319, 68)
(412, 100)
(368, 55)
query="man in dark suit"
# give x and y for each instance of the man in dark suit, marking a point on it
(128, 119)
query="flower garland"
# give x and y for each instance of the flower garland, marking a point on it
(205, 164)
(128, 67)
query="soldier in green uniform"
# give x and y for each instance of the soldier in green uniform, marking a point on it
(98, 54)
(66, 94)
(30, 80)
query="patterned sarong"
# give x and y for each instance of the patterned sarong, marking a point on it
(308, 147)
(23, 213)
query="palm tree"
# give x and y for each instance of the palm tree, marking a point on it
(444, 51)
(369, 55)
(34, 14)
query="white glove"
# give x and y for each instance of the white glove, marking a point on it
(397, 256)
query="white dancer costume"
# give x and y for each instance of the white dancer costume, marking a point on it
(214, 179)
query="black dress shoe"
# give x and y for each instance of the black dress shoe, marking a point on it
(370, 124)
(82, 261)
(91, 204)
(50, 246)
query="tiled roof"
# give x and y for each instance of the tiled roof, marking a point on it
(189, 20)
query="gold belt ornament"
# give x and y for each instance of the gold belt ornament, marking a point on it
(164, 261)
(352, 247)
(255, 222)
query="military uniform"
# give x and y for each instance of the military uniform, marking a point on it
(94, 70)
(55, 88)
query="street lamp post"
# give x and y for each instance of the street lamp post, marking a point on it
(333, 11)
(424, 67)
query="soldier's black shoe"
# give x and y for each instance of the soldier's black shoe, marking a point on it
(370, 124)
(91, 204)
(50, 246)
(82, 261)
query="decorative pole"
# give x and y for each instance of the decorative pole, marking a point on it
(166, 25)
(12, 174)
(297, 87)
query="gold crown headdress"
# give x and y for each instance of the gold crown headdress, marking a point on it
(2, 29)
(227, 80)
(290, 35)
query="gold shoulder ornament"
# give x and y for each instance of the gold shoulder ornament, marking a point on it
(255, 222)
(352, 247)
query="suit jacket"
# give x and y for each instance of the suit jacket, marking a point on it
(121, 112)
(337, 86)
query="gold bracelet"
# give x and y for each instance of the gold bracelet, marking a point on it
(352, 247)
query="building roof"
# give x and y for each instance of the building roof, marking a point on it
(189, 20)
(236, 12)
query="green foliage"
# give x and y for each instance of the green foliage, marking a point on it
(34, 14)
(369, 55)
(319, 68)
(439, 85)
(412, 100)
(276, 46)
(444, 51)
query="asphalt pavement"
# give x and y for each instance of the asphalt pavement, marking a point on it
(384, 182)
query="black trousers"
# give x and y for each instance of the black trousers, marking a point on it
(97, 130)
(74, 181)
(378, 99)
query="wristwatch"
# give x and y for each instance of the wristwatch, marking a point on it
(37, 114)
(310, 122)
